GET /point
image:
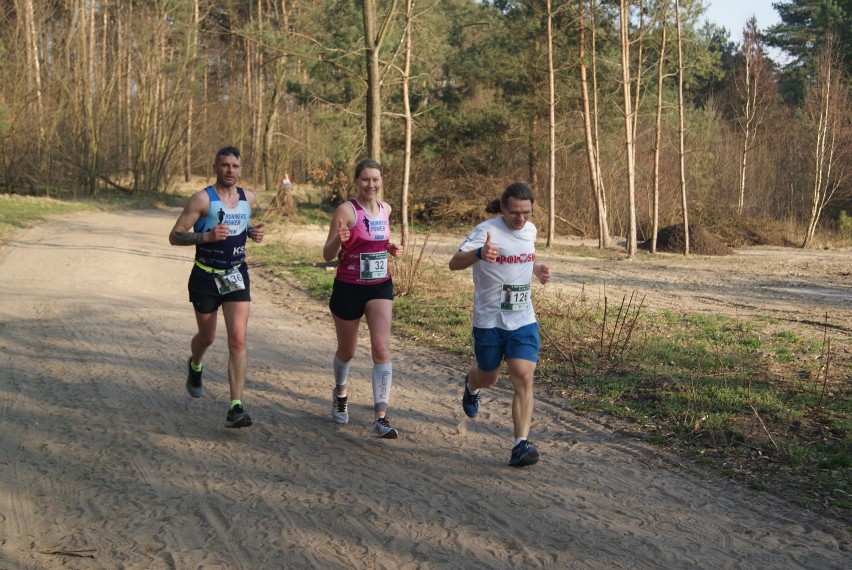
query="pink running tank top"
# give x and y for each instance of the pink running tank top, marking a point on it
(364, 258)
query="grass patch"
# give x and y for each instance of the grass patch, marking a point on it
(305, 265)
(17, 212)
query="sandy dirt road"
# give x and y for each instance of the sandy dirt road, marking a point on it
(106, 462)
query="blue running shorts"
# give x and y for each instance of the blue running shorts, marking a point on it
(492, 345)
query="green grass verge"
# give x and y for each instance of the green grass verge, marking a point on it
(17, 212)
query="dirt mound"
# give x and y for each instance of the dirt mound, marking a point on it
(701, 242)
(765, 233)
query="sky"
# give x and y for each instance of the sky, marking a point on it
(733, 14)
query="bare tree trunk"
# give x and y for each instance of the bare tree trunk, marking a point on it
(658, 131)
(639, 62)
(628, 128)
(192, 54)
(551, 83)
(681, 131)
(409, 122)
(259, 116)
(589, 131)
(373, 38)
(87, 92)
(532, 151)
(604, 237)
(284, 200)
(34, 67)
(126, 86)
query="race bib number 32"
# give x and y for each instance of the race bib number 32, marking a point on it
(374, 265)
(514, 297)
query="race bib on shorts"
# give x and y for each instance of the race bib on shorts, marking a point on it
(229, 281)
(514, 297)
(374, 265)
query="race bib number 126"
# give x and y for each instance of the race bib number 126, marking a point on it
(514, 297)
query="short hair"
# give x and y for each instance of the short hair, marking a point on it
(367, 163)
(227, 151)
(516, 190)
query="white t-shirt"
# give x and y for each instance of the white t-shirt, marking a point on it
(502, 290)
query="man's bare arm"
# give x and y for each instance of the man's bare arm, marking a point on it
(186, 238)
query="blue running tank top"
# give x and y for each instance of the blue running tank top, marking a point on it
(232, 250)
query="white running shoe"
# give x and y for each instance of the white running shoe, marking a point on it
(339, 408)
(382, 429)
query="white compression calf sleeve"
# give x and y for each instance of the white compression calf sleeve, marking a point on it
(341, 373)
(382, 379)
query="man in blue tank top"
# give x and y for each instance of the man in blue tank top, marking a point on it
(216, 221)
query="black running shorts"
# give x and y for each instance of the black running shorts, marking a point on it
(348, 300)
(204, 295)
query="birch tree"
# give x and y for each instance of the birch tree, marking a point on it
(829, 114)
(629, 143)
(551, 100)
(409, 121)
(755, 92)
(658, 124)
(590, 121)
(681, 128)
(34, 83)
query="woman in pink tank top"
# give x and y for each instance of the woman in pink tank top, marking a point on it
(359, 236)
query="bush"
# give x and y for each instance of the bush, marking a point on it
(844, 224)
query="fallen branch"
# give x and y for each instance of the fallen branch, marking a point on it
(79, 553)
(763, 426)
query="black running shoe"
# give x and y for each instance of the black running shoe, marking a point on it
(470, 402)
(525, 453)
(193, 380)
(237, 417)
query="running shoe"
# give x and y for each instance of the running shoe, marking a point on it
(382, 429)
(193, 380)
(524, 453)
(237, 417)
(339, 408)
(470, 402)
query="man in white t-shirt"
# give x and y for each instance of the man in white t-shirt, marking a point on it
(502, 253)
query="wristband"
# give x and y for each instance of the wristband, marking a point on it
(479, 253)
